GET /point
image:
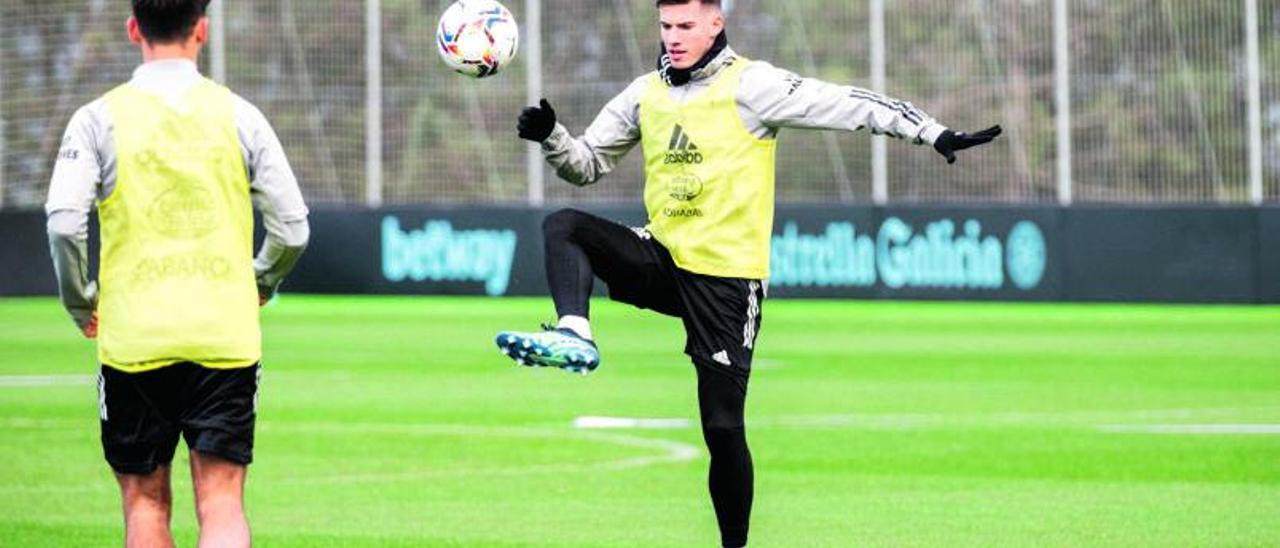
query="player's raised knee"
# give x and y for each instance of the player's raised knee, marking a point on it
(562, 222)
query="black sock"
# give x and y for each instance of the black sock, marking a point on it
(722, 399)
(730, 482)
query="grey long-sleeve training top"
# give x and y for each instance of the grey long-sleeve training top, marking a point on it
(85, 174)
(769, 99)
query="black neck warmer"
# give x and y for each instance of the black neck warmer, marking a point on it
(675, 77)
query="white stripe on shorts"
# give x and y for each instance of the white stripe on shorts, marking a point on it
(753, 312)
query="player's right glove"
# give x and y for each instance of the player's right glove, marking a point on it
(537, 123)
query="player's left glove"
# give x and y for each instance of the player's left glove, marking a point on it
(951, 142)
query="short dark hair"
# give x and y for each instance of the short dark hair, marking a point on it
(661, 3)
(168, 21)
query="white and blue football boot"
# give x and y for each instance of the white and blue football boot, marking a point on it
(552, 347)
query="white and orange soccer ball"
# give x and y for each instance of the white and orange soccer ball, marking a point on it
(477, 38)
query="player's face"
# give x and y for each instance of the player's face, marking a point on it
(689, 31)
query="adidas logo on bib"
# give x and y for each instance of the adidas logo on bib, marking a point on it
(682, 150)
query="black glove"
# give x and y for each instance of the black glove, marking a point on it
(950, 142)
(537, 123)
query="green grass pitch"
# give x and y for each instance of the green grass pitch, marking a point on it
(395, 422)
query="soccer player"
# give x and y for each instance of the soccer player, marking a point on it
(175, 164)
(707, 121)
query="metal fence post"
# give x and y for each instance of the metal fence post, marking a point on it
(373, 104)
(218, 41)
(1255, 102)
(879, 143)
(2, 126)
(1062, 82)
(533, 84)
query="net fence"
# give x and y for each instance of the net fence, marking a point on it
(1159, 95)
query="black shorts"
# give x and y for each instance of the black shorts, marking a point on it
(143, 414)
(721, 315)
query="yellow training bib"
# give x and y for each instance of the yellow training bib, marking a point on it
(709, 186)
(176, 277)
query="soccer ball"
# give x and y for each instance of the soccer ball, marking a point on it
(477, 37)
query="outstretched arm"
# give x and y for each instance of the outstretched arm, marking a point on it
(781, 99)
(584, 160)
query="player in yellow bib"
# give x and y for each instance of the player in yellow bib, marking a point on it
(707, 121)
(174, 163)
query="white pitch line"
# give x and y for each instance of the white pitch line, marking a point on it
(34, 381)
(662, 452)
(1087, 419)
(28, 423)
(1194, 429)
(629, 423)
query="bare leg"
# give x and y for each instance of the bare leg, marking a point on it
(148, 505)
(219, 486)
